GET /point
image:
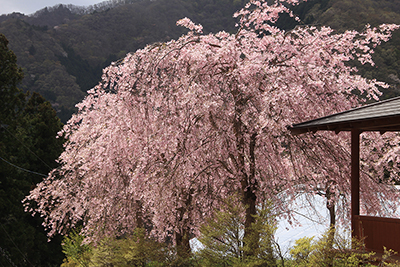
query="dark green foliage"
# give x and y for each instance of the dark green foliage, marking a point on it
(28, 149)
(86, 75)
(64, 61)
(38, 54)
(10, 76)
(28, 142)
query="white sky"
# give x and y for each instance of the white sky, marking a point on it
(28, 7)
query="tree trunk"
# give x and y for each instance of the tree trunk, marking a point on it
(182, 244)
(249, 186)
(247, 178)
(139, 214)
(332, 215)
(182, 237)
(251, 237)
(332, 223)
(330, 205)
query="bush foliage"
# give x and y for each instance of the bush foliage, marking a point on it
(223, 245)
(134, 250)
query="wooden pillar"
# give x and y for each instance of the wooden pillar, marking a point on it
(355, 178)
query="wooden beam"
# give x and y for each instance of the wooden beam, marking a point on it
(355, 178)
(391, 123)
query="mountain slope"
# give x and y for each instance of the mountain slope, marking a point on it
(63, 49)
(356, 14)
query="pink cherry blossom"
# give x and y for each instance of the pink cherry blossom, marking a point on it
(176, 127)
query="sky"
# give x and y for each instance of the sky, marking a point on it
(28, 7)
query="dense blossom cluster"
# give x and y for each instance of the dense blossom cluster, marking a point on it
(176, 127)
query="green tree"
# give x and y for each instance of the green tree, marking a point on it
(134, 250)
(330, 252)
(10, 76)
(28, 149)
(225, 244)
(131, 250)
(77, 254)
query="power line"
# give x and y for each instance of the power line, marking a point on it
(4, 253)
(22, 143)
(22, 254)
(23, 169)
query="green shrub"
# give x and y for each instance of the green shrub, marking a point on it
(223, 238)
(301, 250)
(135, 250)
(77, 254)
(339, 252)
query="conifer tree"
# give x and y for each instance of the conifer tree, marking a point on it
(28, 149)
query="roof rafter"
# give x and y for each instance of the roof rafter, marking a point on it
(381, 116)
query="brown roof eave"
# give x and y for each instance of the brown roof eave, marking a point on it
(381, 124)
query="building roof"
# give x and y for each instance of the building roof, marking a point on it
(380, 116)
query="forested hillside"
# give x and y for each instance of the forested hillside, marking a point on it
(28, 149)
(356, 14)
(64, 48)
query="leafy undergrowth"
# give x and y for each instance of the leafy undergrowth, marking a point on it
(140, 250)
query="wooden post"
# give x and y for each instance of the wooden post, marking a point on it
(355, 179)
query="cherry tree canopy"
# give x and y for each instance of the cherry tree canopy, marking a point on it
(175, 127)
